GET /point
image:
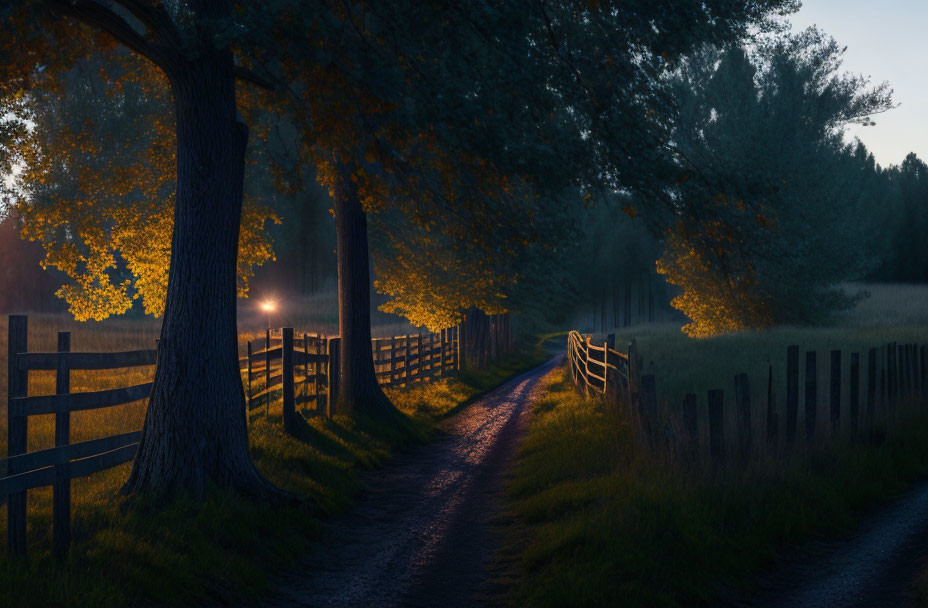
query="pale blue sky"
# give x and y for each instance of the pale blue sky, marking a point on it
(885, 40)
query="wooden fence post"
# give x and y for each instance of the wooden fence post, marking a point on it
(61, 493)
(406, 374)
(772, 422)
(305, 357)
(854, 393)
(834, 392)
(442, 345)
(320, 345)
(286, 376)
(871, 385)
(743, 406)
(248, 372)
(716, 426)
(267, 372)
(431, 356)
(392, 359)
(792, 393)
(333, 374)
(811, 396)
(17, 430)
(690, 422)
(605, 369)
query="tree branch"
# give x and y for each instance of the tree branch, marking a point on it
(101, 16)
(156, 19)
(248, 75)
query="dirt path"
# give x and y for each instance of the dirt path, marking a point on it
(419, 533)
(873, 569)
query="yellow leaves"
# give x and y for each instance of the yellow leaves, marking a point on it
(714, 303)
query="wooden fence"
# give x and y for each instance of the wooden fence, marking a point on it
(894, 375)
(57, 466)
(285, 363)
(305, 369)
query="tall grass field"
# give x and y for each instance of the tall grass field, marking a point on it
(597, 518)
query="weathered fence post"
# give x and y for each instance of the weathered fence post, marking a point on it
(305, 357)
(772, 422)
(419, 361)
(17, 430)
(854, 392)
(586, 367)
(431, 356)
(267, 358)
(442, 344)
(61, 493)
(690, 422)
(716, 426)
(834, 391)
(792, 393)
(333, 374)
(248, 372)
(286, 376)
(871, 385)
(605, 368)
(320, 346)
(743, 407)
(392, 359)
(811, 396)
(406, 373)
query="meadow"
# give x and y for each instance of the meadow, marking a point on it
(681, 365)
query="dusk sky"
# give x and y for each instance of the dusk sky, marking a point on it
(886, 41)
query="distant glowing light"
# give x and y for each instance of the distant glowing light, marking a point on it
(268, 305)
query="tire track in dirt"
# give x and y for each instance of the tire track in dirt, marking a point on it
(874, 568)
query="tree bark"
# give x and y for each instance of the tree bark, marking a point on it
(360, 395)
(195, 432)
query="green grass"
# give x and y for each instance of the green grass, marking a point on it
(184, 552)
(596, 521)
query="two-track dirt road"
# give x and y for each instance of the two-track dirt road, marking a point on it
(874, 568)
(420, 534)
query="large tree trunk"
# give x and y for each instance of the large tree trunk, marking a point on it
(360, 395)
(195, 431)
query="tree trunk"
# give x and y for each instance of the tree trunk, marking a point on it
(360, 394)
(195, 431)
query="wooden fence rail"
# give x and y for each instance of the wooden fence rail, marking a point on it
(57, 466)
(895, 375)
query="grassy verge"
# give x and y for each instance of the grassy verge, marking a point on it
(596, 521)
(187, 553)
